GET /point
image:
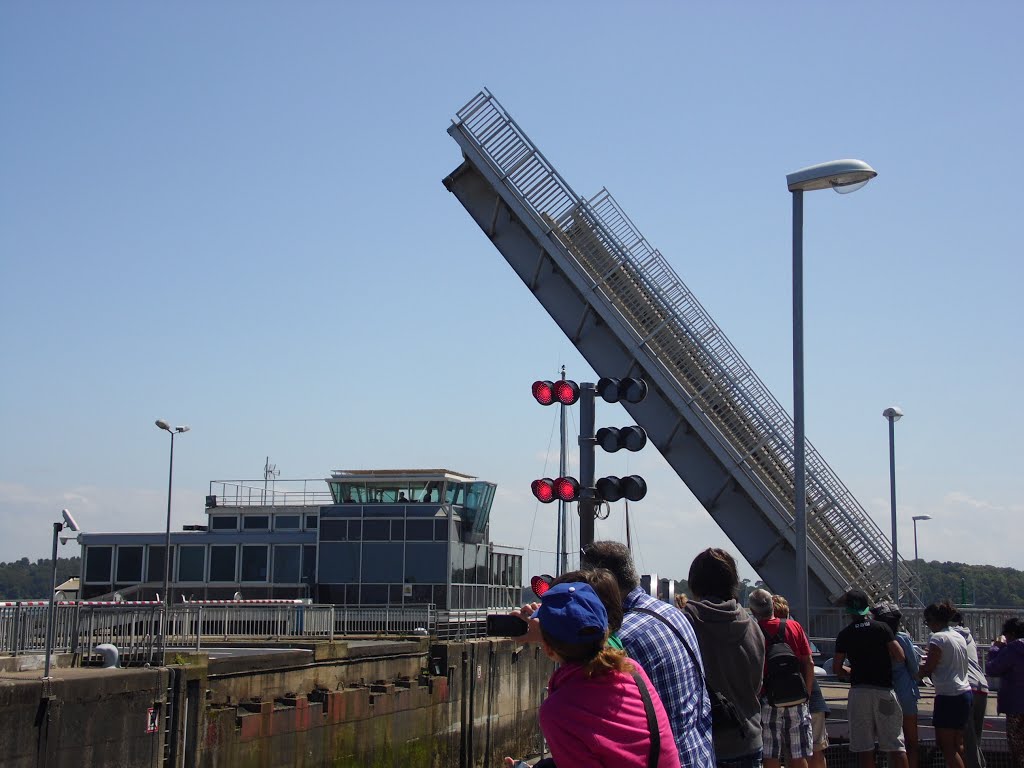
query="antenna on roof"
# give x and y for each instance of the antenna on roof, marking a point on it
(270, 472)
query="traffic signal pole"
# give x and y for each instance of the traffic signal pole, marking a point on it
(588, 492)
(588, 497)
(563, 470)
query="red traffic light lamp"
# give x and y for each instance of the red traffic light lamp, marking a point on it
(540, 584)
(631, 488)
(543, 490)
(547, 490)
(562, 391)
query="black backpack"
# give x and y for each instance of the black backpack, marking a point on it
(783, 680)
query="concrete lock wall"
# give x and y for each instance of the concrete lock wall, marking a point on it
(447, 706)
(371, 704)
(83, 718)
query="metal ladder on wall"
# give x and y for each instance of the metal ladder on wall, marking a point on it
(634, 312)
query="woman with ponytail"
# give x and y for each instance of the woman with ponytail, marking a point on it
(602, 710)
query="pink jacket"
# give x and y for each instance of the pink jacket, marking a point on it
(600, 722)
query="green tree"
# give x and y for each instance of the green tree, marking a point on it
(24, 580)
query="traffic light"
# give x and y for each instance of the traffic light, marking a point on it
(614, 390)
(562, 391)
(540, 584)
(564, 488)
(631, 488)
(612, 439)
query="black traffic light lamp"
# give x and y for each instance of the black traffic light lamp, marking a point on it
(613, 390)
(631, 488)
(613, 439)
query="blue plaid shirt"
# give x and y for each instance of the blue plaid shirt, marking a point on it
(671, 669)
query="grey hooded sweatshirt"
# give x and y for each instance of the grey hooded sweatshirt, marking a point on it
(732, 648)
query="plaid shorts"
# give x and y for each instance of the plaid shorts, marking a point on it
(786, 725)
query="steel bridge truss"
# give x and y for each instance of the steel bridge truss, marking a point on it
(623, 306)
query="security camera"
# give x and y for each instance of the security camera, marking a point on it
(69, 521)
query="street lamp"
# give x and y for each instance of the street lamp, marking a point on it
(843, 176)
(915, 518)
(69, 522)
(170, 477)
(893, 414)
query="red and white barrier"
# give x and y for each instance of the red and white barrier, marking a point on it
(43, 603)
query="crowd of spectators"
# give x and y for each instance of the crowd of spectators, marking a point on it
(707, 681)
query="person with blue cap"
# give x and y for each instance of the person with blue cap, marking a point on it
(601, 710)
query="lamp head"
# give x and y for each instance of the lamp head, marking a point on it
(843, 176)
(893, 413)
(163, 424)
(921, 517)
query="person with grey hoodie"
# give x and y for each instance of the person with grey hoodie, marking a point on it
(732, 647)
(973, 756)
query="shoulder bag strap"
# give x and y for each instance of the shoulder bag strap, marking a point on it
(686, 645)
(780, 636)
(652, 722)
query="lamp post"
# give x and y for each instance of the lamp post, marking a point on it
(843, 176)
(893, 414)
(69, 522)
(915, 518)
(170, 478)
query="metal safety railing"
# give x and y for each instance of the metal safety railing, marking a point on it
(278, 493)
(142, 632)
(669, 325)
(985, 623)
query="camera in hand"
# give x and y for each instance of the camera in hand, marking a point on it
(506, 625)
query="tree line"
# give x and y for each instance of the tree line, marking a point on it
(985, 586)
(25, 580)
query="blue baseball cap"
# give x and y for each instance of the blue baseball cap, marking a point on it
(573, 613)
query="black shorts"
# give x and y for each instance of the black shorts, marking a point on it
(952, 711)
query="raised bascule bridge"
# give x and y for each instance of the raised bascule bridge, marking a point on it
(625, 309)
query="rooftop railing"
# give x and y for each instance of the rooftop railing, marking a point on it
(277, 493)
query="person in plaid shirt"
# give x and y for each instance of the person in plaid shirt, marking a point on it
(657, 644)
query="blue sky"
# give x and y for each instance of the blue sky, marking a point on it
(231, 215)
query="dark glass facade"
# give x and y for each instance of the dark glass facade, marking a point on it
(397, 542)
